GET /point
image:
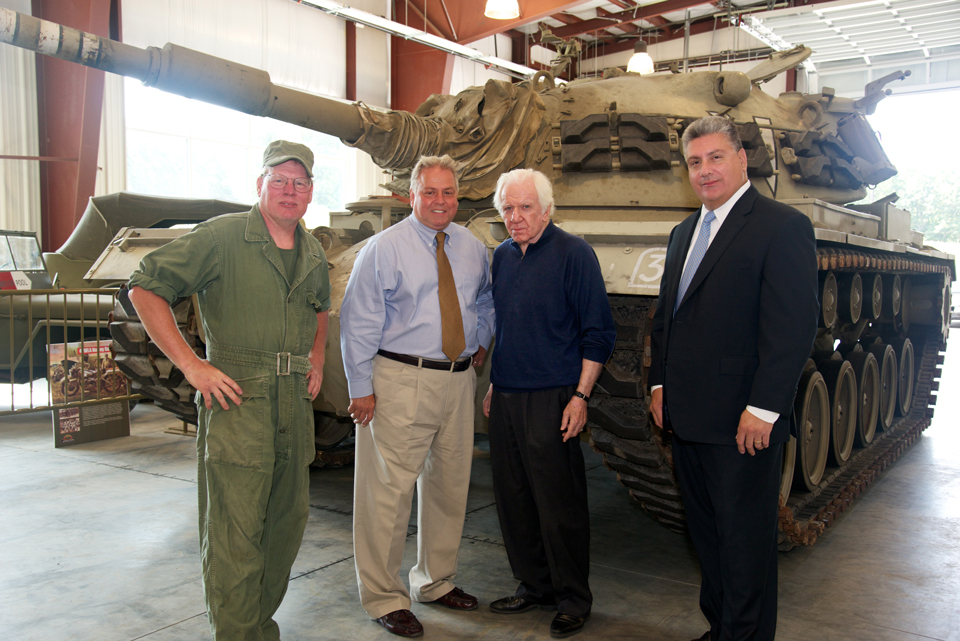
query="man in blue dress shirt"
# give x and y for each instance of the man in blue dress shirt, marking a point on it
(417, 309)
(554, 333)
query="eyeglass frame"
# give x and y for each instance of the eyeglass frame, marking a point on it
(270, 178)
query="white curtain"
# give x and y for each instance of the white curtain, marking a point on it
(20, 191)
(112, 155)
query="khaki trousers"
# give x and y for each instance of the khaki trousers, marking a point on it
(421, 434)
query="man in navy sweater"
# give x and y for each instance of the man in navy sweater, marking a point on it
(554, 332)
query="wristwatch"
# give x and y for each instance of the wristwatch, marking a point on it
(579, 394)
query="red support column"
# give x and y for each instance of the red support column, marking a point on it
(792, 79)
(69, 102)
(416, 71)
(351, 33)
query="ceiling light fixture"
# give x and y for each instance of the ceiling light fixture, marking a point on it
(502, 9)
(640, 61)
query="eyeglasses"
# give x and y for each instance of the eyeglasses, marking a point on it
(277, 181)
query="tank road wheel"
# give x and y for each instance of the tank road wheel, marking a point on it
(905, 366)
(618, 420)
(788, 468)
(887, 362)
(850, 292)
(151, 373)
(828, 300)
(842, 388)
(873, 296)
(867, 372)
(329, 430)
(813, 425)
(892, 298)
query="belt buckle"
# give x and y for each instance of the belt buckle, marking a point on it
(280, 371)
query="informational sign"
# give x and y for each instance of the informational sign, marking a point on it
(15, 280)
(84, 372)
(90, 422)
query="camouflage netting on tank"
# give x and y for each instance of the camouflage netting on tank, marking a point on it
(485, 129)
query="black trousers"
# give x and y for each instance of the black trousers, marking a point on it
(541, 490)
(731, 501)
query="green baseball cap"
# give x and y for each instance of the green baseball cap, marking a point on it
(280, 151)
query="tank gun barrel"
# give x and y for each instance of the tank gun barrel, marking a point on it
(185, 72)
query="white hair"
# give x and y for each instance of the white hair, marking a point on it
(540, 182)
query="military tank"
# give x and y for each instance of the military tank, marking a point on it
(611, 146)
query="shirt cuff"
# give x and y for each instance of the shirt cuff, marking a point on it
(359, 389)
(151, 284)
(596, 354)
(654, 388)
(764, 415)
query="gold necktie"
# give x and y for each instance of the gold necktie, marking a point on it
(450, 319)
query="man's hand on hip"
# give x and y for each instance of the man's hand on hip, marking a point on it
(361, 409)
(656, 406)
(574, 418)
(213, 384)
(753, 434)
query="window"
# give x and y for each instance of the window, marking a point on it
(189, 149)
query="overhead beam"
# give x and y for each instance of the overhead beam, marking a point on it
(624, 17)
(608, 48)
(472, 25)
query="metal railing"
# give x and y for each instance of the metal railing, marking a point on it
(40, 318)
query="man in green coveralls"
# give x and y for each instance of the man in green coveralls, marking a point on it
(264, 294)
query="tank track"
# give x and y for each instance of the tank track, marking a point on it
(804, 517)
(632, 447)
(151, 373)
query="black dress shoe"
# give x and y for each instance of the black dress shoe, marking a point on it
(457, 599)
(705, 637)
(565, 625)
(516, 605)
(401, 623)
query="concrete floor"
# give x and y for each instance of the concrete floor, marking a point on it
(98, 542)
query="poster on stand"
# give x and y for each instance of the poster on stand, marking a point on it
(86, 372)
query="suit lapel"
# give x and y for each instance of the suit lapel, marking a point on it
(732, 225)
(684, 232)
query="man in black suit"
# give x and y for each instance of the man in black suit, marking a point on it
(733, 328)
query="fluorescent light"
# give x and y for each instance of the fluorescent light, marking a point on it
(409, 33)
(502, 9)
(640, 62)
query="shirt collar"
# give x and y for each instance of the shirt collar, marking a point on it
(426, 234)
(724, 209)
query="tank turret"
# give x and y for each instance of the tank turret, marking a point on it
(611, 147)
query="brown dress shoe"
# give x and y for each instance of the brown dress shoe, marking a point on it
(457, 599)
(402, 623)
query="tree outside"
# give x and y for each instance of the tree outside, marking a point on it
(915, 133)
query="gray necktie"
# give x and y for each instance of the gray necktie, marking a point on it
(699, 249)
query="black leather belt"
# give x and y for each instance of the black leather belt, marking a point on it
(447, 366)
